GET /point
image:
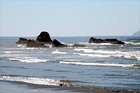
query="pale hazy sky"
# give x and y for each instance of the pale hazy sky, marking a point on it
(69, 17)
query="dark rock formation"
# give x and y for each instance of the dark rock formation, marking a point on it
(33, 43)
(44, 37)
(56, 43)
(112, 41)
(22, 41)
(94, 40)
(78, 45)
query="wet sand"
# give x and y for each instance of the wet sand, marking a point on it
(20, 87)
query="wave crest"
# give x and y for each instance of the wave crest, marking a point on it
(38, 81)
(58, 52)
(108, 53)
(28, 59)
(102, 64)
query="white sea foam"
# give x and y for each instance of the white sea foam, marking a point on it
(79, 49)
(58, 52)
(100, 51)
(31, 48)
(19, 45)
(102, 64)
(28, 59)
(8, 52)
(95, 51)
(102, 44)
(92, 55)
(132, 43)
(129, 55)
(108, 53)
(38, 81)
(106, 44)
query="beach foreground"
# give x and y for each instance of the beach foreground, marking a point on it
(95, 68)
(18, 87)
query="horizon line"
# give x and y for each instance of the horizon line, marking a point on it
(71, 36)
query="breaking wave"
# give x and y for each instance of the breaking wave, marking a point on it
(38, 81)
(28, 59)
(132, 43)
(107, 53)
(58, 52)
(9, 52)
(92, 55)
(102, 64)
(65, 83)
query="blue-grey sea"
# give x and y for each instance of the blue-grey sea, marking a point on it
(28, 69)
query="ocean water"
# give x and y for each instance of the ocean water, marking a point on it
(24, 69)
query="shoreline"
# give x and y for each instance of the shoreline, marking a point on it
(71, 88)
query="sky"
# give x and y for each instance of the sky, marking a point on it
(69, 17)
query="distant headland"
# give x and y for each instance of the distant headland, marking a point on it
(136, 33)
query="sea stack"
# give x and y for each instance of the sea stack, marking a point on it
(22, 41)
(56, 43)
(94, 40)
(44, 37)
(112, 41)
(33, 43)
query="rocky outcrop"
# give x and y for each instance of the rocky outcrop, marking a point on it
(112, 41)
(44, 37)
(56, 43)
(78, 45)
(33, 43)
(22, 41)
(93, 40)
